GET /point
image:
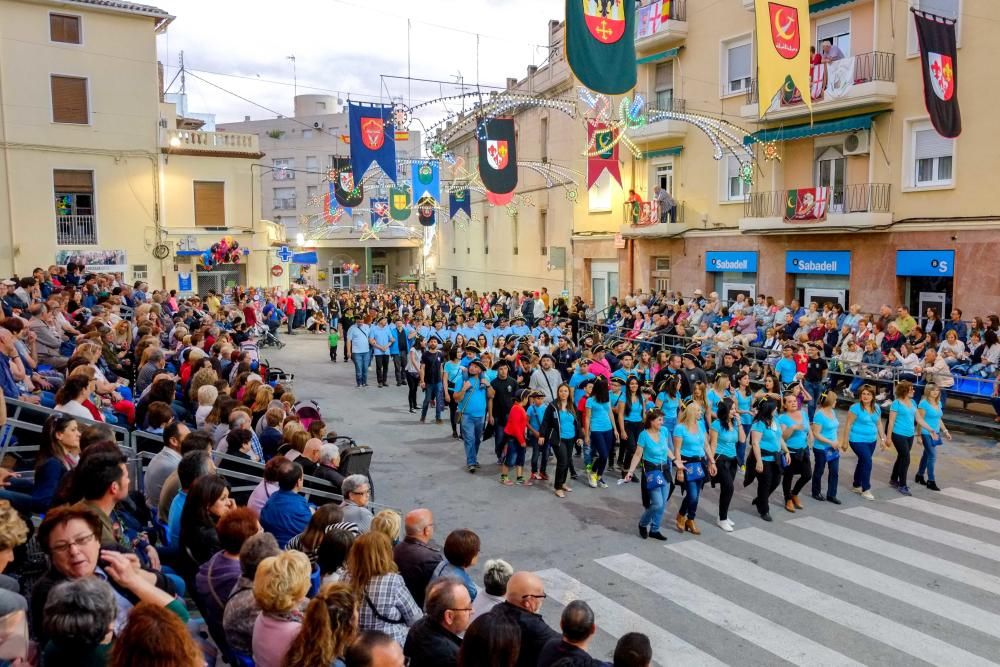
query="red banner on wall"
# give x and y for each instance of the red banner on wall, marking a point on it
(603, 142)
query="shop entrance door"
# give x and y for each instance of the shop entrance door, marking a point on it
(822, 295)
(936, 300)
(731, 290)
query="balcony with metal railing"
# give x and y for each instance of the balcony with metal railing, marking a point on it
(196, 142)
(657, 123)
(852, 207)
(868, 79)
(285, 204)
(76, 230)
(660, 24)
(641, 220)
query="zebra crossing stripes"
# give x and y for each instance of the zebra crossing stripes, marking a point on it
(763, 632)
(970, 497)
(938, 566)
(991, 483)
(860, 620)
(949, 513)
(954, 610)
(617, 620)
(923, 531)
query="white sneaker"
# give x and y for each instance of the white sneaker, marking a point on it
(724, 525)
(867, 495)
(592, 481)
(855, 489)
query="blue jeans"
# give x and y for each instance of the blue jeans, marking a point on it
(819, 463)
(602, 442)
(361, 360)
(434, 392)
(692, 491)
(863, 472)
(929, 457)
(657, 503)
(472, 436)
(814, 389)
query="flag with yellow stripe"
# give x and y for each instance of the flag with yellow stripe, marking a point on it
(783, 38)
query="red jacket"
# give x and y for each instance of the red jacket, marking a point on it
(517, 423)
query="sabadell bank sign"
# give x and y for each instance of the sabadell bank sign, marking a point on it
(837, 263)
(730, 261)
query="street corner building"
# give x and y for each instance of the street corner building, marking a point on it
(855, 195)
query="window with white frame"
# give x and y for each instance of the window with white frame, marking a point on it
(932, 156)
(736, 187)
(951, 9)
(284, 198)
(312, 163)
(284, 169)
(737, 65)
(837, 32)
(599, 196)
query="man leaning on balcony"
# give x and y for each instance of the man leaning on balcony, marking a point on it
(666, 204)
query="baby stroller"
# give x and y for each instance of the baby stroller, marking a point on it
(307, 411)
(265, 338)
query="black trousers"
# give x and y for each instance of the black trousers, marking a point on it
(800, 466)
(453, 413)
(382, 368)
(627, 448)
(412, 382)
(767, 482)
(564, 451)
(398, 368)
(726, 467)
(903, 444)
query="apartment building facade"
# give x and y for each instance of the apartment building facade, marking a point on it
(908, 221)
(95, 167)
(301, 151)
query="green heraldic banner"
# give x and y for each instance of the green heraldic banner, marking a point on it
(600, 44)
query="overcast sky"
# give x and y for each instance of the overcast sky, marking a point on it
(345, 45)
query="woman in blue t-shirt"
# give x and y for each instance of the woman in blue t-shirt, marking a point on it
(863, 431)
(694, 466)
(930, 410)
(600, 430)
(767, 446)
(630, 415)
(668, 401)
(724, 434)
(744, 408)
(654, 452)
(903, 422)
(826, 447)
(454, 378)
(561, 428)
(795, 430)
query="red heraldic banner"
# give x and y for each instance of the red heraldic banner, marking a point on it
(603, 143)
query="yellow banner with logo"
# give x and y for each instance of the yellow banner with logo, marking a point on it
(783, 39)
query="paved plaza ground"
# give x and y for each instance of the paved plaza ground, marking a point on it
(898, 581)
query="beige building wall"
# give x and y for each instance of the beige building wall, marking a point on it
(118, 59)
(143, 167)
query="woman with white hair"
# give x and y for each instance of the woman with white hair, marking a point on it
(496, 574)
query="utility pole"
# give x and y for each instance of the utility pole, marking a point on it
(183, 76)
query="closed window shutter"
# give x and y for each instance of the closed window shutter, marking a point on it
(69, 181)
(832, 29)
(665, 75)
(69, 100)
(209, 204)
(64, 28)
(739, 62)
(930, 144)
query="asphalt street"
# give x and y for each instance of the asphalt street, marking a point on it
(897, 581)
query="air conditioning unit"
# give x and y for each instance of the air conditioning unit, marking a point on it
(856, 143)
(140, 272)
